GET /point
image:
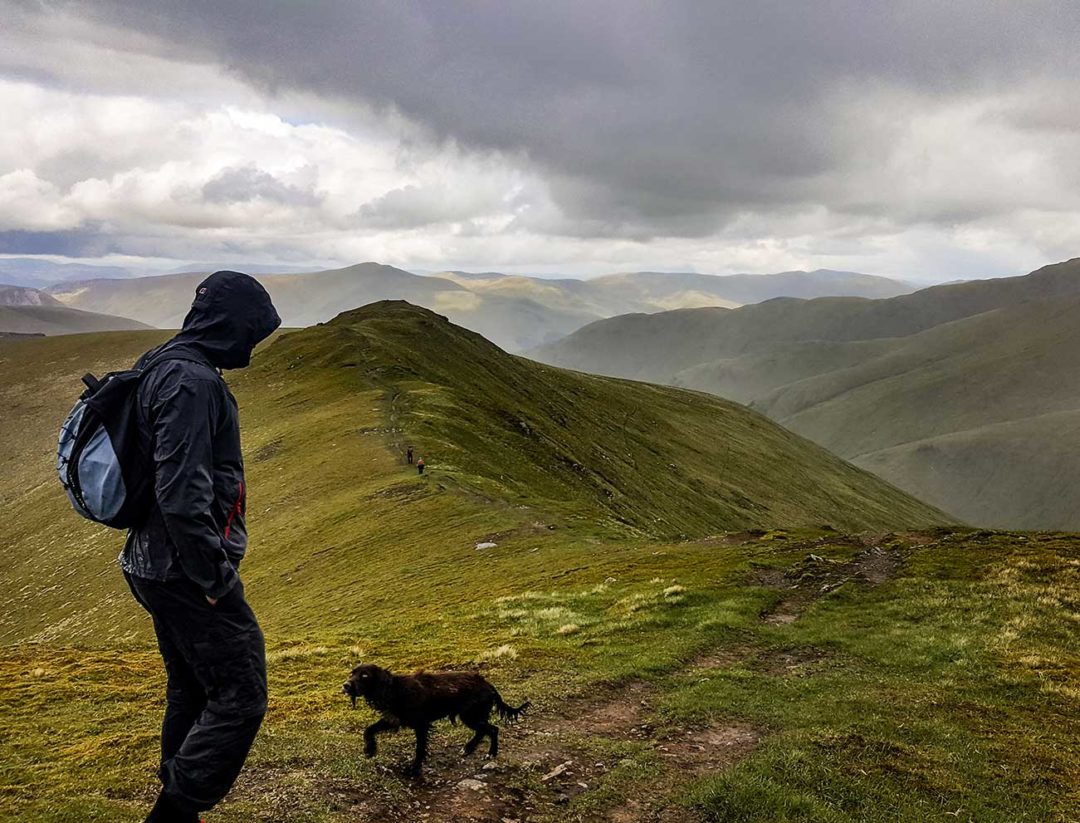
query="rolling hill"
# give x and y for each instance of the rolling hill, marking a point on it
(305, 299)
(573, 539)
(25, 310)
(517, 313)
(903, 386)
(629, 292)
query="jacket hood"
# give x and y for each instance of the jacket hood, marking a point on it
(231, 314)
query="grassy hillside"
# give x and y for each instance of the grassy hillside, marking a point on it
(973, 415)
(894, 385)
(58, 319)
(770, 675)
(325, 408)
(656, 347)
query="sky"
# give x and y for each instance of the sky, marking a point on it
(911, 138)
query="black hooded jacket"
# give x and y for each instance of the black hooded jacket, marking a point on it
(196, 528)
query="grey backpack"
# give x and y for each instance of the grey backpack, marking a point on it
(103, 457)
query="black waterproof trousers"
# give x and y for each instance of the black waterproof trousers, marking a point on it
(215, 661)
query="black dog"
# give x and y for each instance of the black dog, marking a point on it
(418, 700)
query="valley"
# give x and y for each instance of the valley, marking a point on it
(962, 395)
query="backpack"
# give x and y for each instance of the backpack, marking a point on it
(102, 457)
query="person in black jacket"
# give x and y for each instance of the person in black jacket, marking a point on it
(182, 561)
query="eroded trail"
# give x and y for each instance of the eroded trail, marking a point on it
(815, 576)
(578, 763)
(612, 755)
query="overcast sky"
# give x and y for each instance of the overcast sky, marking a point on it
(916, 138)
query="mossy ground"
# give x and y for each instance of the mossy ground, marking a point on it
(948, 691)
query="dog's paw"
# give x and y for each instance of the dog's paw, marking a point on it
(369, 751)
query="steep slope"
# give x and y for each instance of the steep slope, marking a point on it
(304, 299)
(326, 414)
(975, 415)
(905, 387)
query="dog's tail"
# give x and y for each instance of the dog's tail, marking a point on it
(510, 713)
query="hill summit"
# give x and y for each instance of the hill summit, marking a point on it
(656, 460)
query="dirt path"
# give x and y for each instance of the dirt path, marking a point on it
(815, 576)
(566, 764)
(549, 761)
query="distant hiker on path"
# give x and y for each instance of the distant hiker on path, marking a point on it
(408, 455)
(181, 562)
(420, 466)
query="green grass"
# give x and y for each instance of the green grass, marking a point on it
(964, 395)
(952, 686)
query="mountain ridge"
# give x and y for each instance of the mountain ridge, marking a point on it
(517, 312)
(510, 444)
(863, 377)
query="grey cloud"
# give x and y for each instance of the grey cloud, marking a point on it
(657, 118)
(245, 183)
(413, 207)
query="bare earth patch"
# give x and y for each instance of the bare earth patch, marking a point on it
(815, 576)
(547, 761)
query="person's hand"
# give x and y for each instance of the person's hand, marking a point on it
(211, 600)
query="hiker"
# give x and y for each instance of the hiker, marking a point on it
(408, 455)
(420, 466)
(182, 561)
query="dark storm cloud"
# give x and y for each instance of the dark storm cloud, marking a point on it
(670, 115)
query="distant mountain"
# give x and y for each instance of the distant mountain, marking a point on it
(663, 289)
(25, 296)
(516, 312)
(981, 414)
(961, 394)
(38, 273)
(516, 323)
(249, 268)
(658, 346)
(28, 311)
(59, 319)
(629, 292)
